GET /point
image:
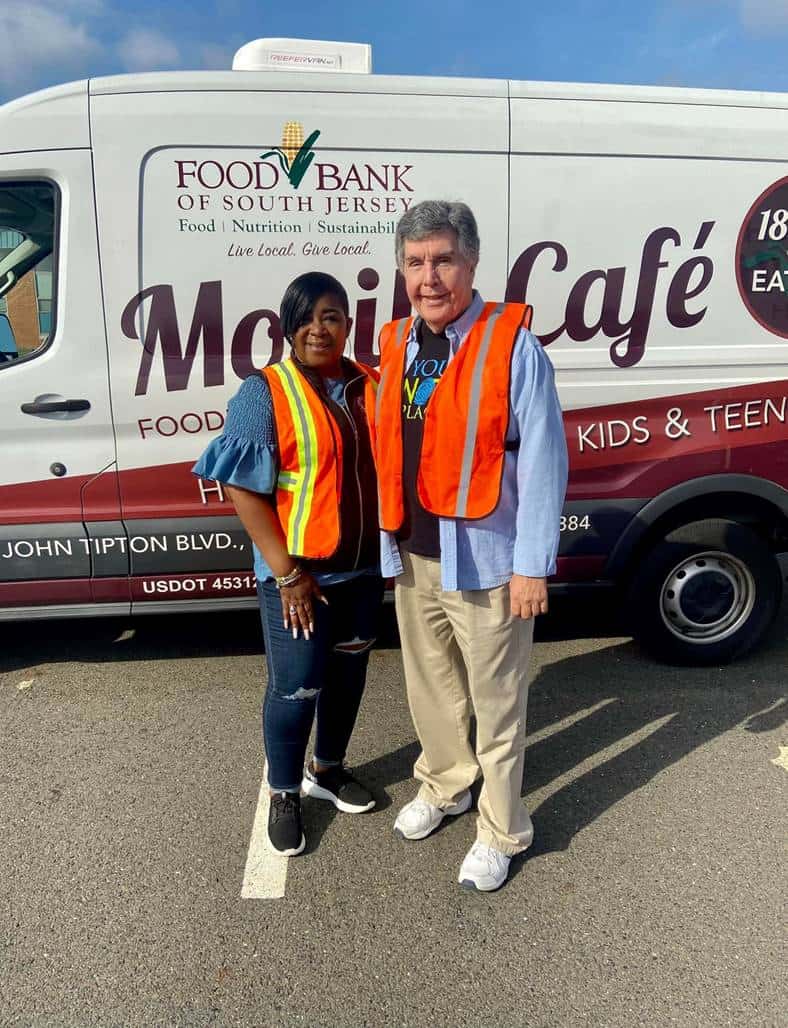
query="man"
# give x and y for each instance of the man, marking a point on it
(472, 472)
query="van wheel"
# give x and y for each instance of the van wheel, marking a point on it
(705, 594)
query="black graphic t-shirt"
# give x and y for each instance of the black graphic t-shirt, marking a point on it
(420, 529)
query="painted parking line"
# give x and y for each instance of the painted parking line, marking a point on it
(265, 874)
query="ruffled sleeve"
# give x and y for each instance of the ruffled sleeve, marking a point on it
(245, 454)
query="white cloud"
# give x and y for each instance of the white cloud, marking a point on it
(764, 16)
(216, 57)
(147, 50)
(707, 43)
(44, 42)
(758, 17)
(83, 8)
(43, 35)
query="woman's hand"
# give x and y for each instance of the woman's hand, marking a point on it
(298, 602)
(260, 520)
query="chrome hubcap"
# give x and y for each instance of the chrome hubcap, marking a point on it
(707, 597)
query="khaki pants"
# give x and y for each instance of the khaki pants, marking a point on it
(465, 654)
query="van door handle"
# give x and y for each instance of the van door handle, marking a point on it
(51, 407)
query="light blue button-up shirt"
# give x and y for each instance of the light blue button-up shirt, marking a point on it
(522, 533)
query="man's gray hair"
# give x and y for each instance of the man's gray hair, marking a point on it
(432, 216)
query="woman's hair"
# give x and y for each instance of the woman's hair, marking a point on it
(432, 216)
(301, 296)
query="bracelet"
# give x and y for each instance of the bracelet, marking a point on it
(283, 581)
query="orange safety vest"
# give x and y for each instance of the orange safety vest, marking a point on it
(462, 451)
(309, 441)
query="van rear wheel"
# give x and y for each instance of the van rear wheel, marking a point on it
(705, 594)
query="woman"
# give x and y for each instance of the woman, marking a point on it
(295, 460)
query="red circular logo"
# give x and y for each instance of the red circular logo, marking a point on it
(762, 259)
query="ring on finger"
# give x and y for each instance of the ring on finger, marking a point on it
(292, 608)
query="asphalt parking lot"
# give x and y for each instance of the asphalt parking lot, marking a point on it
(130, 772)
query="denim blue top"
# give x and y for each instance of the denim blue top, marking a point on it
(245, 455)
(522, 533)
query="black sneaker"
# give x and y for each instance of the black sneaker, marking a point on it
(285, 832)
(338, 786)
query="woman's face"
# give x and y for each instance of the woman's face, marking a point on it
(319, 341)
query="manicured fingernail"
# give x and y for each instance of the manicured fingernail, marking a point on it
(286, 625)
(295, 633)
(323, 600)
(311, 626)
(306, 634)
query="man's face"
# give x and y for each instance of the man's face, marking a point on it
(438, 279)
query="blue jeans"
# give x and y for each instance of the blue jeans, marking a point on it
(326, 673)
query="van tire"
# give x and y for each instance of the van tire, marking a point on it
(705, 594)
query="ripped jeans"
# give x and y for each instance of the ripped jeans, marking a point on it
(325, 674)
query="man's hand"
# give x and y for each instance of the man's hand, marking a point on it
(528, 596)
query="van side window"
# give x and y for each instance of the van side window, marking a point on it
(27, 260)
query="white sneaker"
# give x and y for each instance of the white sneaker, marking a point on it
(419, 818)
(484, 868)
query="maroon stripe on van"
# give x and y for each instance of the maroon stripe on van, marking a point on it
(45, 592)
(629, 449)
(647, 478)
(579, 569)
(55, 500)
(718, 422)
(110, 590)
(197, 586)
(169, 491)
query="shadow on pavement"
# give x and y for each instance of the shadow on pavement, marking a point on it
(163, 637)
(210, 634)
(103, 640)
(377, 774)
(627, 718)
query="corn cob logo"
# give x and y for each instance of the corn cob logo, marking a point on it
(295, 154)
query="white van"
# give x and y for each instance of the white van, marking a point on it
(149, 225)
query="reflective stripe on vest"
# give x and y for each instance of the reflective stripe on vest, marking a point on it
(465, 423)
(310, 459)
(310, 452)
(388, 422)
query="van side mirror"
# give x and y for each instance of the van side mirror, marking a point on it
(8, 350)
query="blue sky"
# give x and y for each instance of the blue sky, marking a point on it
(729, 44)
